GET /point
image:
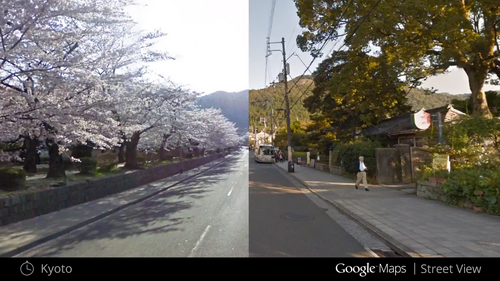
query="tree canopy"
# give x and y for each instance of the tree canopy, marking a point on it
(422, 38)
(354, 90)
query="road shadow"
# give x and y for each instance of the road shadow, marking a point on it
(284, 222)
(159, 214)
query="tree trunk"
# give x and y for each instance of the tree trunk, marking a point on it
(478, 97)
(30, 146)
(121, 153)
(56, 165)
(131, 152)
(161, 151)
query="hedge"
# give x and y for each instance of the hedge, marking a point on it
(88, 165)
(11, 178)
(347, 155)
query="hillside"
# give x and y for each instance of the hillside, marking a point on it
(259, 107)
(418, 98)
(234, 106)
(423, 98)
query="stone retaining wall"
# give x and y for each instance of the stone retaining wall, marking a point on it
(321, 167)
(33, 203)
(431, 190)
(337, 170)
(434, 191)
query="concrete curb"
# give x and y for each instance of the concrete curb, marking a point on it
(391, 242)
(103, 215)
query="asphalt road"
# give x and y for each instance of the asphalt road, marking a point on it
(204, 217)
(285, 222)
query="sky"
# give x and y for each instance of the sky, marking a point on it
(285, 25)
(208, 38)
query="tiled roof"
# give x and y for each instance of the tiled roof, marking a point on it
(402, 124)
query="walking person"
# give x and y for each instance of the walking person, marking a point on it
(362, 173)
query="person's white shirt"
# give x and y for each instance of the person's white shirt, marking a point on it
(362, 166)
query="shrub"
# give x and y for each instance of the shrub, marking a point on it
(297, 154)
(347, 155)
(141, 159)
(479, 186)
(429, 172)
(11, 178)
(87, 165)
(107, 161)
(152, 156)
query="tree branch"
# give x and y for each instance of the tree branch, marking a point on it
(3, 43)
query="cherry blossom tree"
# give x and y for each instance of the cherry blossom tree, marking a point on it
(60, 61)
(149, 109)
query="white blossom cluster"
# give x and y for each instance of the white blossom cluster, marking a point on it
(73, 71)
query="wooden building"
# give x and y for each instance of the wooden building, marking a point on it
(402, 129)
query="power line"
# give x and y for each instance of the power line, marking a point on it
(291, 35)
(302, 62)
(314, 58)
(273, 4)
(269, 31)
(345, 43)
(324, 44)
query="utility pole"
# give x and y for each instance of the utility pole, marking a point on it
(272, 129)
(440, 128)
(285, 74)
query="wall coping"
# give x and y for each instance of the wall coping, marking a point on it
(26, 204)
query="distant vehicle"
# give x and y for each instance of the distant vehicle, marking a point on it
(264, 154)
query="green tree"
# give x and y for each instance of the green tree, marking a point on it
(493, 98)
(354, 90)
(259, 105)
(424, 37)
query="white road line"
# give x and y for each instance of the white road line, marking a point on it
(198, 243)
(230, 191)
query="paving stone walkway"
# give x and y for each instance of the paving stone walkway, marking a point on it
(421, 227)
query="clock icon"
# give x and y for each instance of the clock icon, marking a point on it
(27, 268)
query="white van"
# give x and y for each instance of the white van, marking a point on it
(264, 154)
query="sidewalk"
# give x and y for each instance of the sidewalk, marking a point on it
(20, 236)
(417, 226)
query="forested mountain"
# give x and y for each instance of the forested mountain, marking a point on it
(423, 98)
(234, 106)
(259, 105)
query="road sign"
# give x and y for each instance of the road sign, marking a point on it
(441, 162)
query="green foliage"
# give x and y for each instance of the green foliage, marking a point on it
(107, 160)
(465, 141)
(259, 105)
(421, 98)
(493, 98)
(141, 158)
(299, 139)
(11, 146)
(301, 154)
(429, 172)
(481, 187)
(355, 90)
(420, 38)
(152, 156)
(87, 165)
(11, 178)
(320, 135)
(347, 155)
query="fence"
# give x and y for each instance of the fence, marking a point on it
(401, 164)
